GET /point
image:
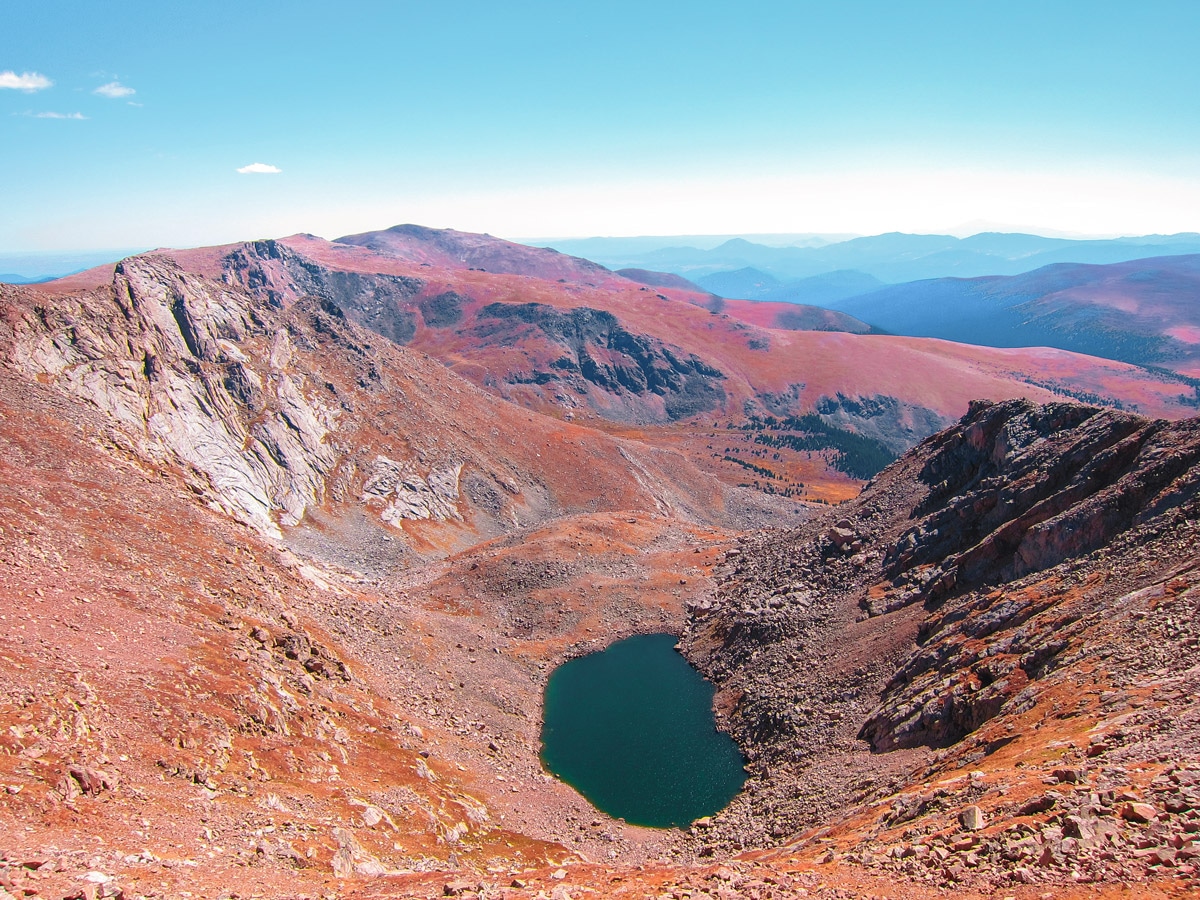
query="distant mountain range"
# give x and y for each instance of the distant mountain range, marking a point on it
(1144, 311)
(1128, 299)
(889, 258)
(816, 290)
(1141, 310)
(785, 258)
(621, 247)
(33, 268)
(562, 336)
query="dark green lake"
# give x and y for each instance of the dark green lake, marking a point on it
(632, 729)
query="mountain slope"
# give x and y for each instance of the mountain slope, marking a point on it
(174, 687)
(746, 284)
(817, 290)
(279, 410)
(617, 355)
(788, 316)
(216, 357)
(660, 279)
(446, 247)
(823, 290)
(1143, 311)
(747, 359)
(343, 693)
(1007, 594)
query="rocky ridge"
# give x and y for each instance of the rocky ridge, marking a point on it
(583, 355)
(1016, 597)
(424, 287)
(286, 399)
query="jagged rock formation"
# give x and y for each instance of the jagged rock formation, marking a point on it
(597, 351)
(572, 352)
(887, 419)
(162, 354)
(404, 494)
(1025, 551)
(273, 271)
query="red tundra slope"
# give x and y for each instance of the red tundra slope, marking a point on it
(590, 346)
(280, 728)
(283, 572)
(449, 249)
(934, 374)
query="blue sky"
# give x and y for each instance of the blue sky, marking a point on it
(559, 119)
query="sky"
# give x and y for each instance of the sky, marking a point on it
(141, 124)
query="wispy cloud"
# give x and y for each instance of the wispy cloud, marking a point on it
(259, 169)
(114, 90)
(56, 115)
(26, 81)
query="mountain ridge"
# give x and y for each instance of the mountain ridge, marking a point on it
(1140, 311)
(613, 354)
(898, 257)
(977, 579)
(294, 531)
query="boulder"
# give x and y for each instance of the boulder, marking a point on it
(972, 818)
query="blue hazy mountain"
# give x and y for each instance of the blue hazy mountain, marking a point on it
(747, 283)
(1144, 311)
(891, 258)
(816, 290)
(33, 268)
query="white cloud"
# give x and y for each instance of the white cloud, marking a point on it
(259, 169)
(26, 81)
(57, 115)
(114, 90)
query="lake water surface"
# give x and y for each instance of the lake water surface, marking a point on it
(631, 728)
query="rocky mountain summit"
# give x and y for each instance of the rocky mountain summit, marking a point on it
(445, 246)
(1011, 605)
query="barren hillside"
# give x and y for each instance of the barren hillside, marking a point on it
(289, 550)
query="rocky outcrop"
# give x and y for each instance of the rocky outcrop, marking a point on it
(163, 352)
(1018, 489)
(887, 419)
(596, 351)
(404, 494)
(217, 378)
(266, 377)
(1013, 496)
(443, 310)
(995, 563)
(274, 272)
